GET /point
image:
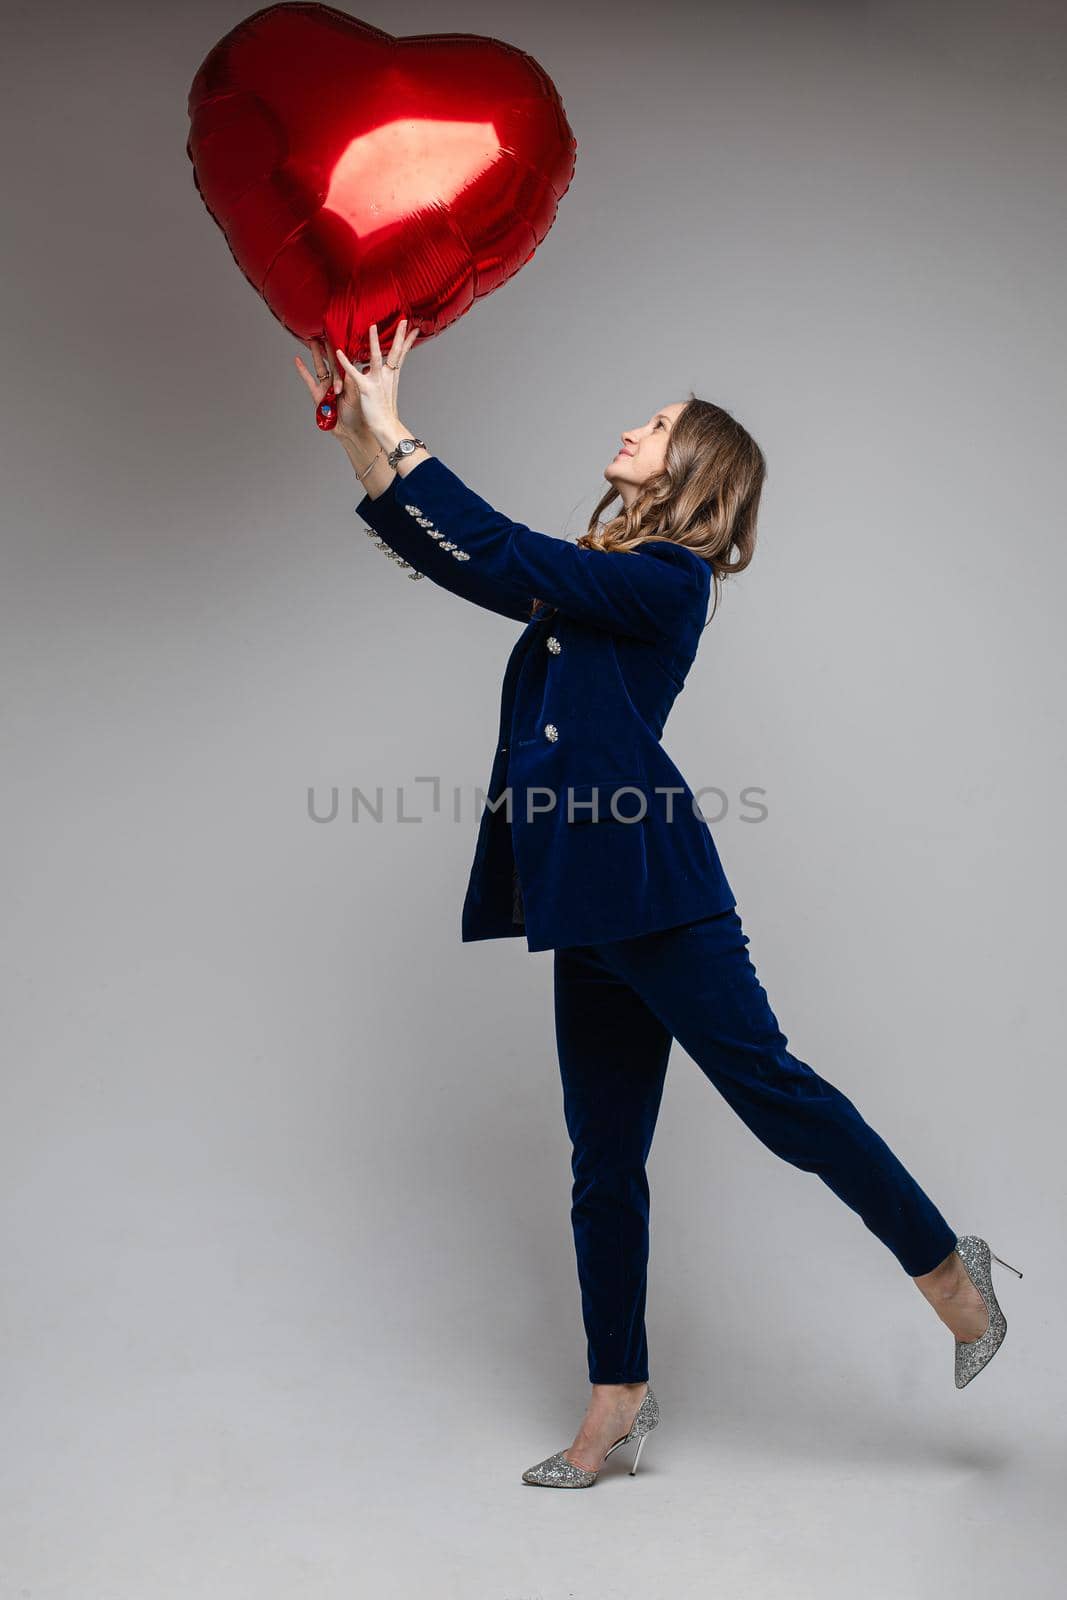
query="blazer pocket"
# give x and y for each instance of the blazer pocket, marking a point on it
(591, 803)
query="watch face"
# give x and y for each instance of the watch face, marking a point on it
(406, 446)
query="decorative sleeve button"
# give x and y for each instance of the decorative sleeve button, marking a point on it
(553, 644)
(551, 731)
(405, 566)
(444, 544)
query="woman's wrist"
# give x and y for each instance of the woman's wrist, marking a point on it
(389, 436)
(367, 452)
(368, 462)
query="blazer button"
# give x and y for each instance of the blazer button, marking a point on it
(551, 731)
(553, 644)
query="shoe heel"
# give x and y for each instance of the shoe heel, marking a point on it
(637, 1457)
(1007, 1264)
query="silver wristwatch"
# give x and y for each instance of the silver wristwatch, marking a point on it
(404, 447)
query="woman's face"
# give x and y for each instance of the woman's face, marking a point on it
(642, 453)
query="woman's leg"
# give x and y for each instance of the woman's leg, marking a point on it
(613, 1059)
(699, 980)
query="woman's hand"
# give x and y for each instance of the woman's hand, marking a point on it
(373, 392)
(350, 427)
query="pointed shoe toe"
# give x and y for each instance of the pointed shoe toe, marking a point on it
(556, 1472)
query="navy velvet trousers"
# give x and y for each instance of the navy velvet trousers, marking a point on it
(617, 1008)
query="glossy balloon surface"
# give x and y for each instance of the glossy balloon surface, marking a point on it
(360, 178)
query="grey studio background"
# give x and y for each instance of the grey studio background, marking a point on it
(289, 1296)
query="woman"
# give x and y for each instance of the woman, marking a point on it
(632, 899)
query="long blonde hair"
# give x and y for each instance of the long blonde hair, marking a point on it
(707, 496)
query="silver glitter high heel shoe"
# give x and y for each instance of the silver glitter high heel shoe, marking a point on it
(556, 1472)
(973, 1354)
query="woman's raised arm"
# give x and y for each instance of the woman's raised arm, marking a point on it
(394, 532)
(645, 592)
(422, 557)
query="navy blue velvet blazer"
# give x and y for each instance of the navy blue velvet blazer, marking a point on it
(586, 692)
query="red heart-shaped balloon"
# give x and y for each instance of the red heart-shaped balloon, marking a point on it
(359, 178)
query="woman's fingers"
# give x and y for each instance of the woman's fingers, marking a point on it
(371, 390)
(333, 370)
(403, 339)
(318, 382)
(322, 359)
(351, 371)
(398, 339)
(314, 384)
(338, 376)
